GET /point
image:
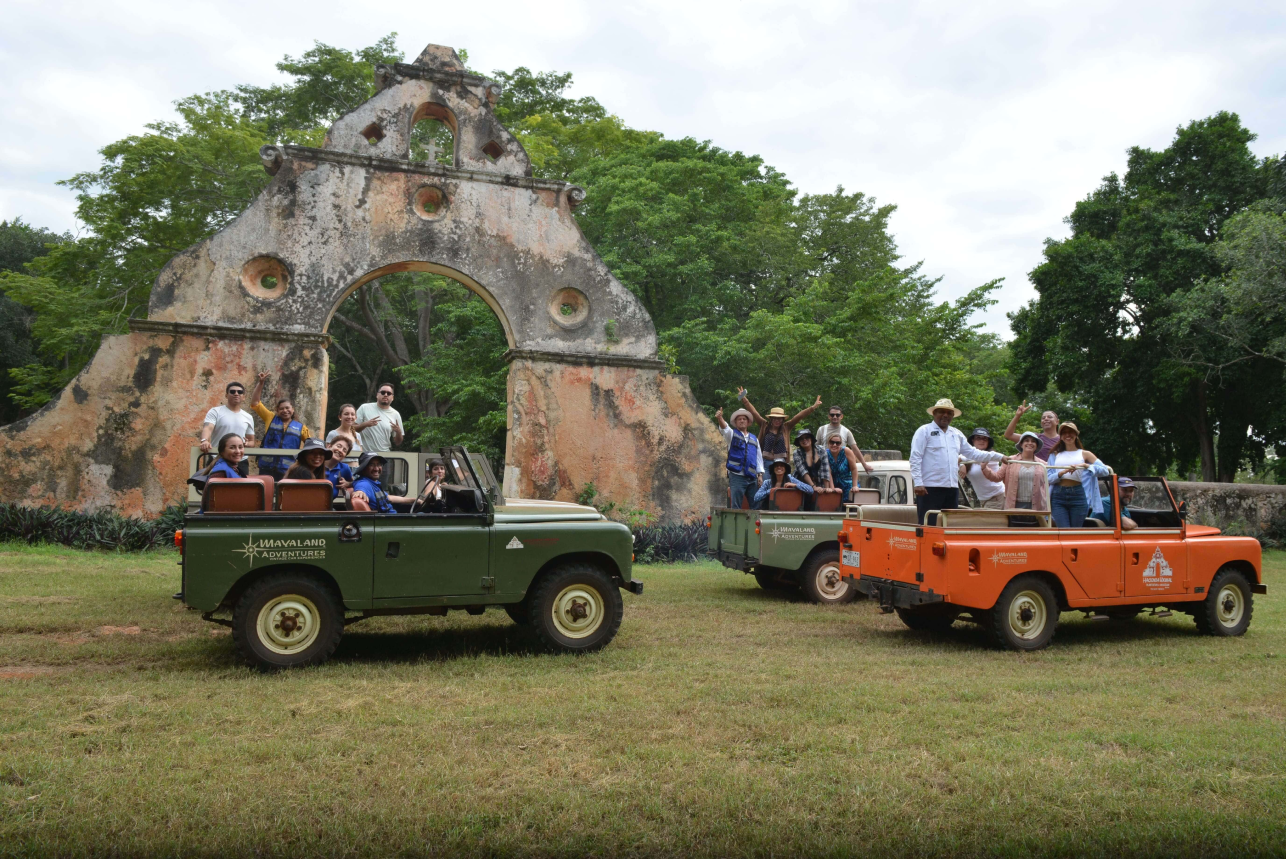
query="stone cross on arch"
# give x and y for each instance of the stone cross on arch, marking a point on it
(588, 397)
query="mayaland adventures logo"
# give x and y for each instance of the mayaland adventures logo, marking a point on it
(273, 549)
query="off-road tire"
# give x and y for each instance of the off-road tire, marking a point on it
(820, 581)
(926, 619)
(554, 607)
(1228, 605)
(517, 612)
(1025, 616)
(287, 620)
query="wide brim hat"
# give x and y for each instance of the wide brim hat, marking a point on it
(805, 432)
(781, 460)
(309, 446)
(1068, 425)
(944, 404)
(776, 412)
(980, 432)
(1029, 435)
(366, 459)
(733, 419)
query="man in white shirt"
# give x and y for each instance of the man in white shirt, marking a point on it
(379, 423)
(936, 449)
(745, 463)
(835, 416)
(221, 420)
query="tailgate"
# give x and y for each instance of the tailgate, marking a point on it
(733, 539)
(887, 551)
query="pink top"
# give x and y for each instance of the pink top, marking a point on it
(1039, 486)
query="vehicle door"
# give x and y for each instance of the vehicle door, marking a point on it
(1092, 556)
(1156, 558)
(436, 554)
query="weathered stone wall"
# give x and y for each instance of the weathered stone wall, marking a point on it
(120, 435)
(1245, 507)
(628, 430)
(589, 400)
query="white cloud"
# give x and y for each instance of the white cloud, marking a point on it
(983, 122)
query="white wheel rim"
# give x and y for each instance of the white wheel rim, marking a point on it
(288, 624)
(829, 583)
(1028, 615)
(578, 611)
(1230, 605)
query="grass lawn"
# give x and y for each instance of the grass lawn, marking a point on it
(724, 720)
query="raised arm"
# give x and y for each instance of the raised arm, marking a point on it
(256, 398)
(790, 424)
(754, 412)
(718, 418)
(1011, 431)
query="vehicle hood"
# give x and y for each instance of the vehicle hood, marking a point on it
(530, 510)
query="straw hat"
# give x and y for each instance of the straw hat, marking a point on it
(776, 412)
(733, 419)
(944, 404)
(1068, 425)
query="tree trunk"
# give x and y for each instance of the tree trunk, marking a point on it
(1201, 423)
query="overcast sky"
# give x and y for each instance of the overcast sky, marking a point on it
(983, 122)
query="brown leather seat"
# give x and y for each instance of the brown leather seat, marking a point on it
(269, 484)
(233, 495)
(829, 502)
(358, 505)
(305, 496)
(786, 498)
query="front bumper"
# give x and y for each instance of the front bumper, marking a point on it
(634, 586)
(893, 594)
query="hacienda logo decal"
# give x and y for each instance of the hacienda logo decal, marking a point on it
(998, 558)
(283, 550)
(515, 543)
(896, 542)
(792, 532)
(1158, 575)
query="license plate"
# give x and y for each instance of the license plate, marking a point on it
(851, 558)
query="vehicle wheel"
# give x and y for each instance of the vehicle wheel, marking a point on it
(517, 612)
(926, 620)
(1025, 616)
(1228, 605)
(820, 581)
(286, 620)
(576, 609)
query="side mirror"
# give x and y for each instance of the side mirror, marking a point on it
(1183, 510)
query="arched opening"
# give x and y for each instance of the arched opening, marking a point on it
(440, 338)
(433, 134)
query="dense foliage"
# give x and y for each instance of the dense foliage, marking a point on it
(100, 530)
(1156, 318)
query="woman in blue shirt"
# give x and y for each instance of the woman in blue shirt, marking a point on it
(232, 449)
(780, 477)
(337, 471)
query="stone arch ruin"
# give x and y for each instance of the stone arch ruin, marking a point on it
(588, 398)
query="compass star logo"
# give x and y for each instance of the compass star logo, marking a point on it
(249, 550)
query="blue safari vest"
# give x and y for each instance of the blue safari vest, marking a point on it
(289, 436)
(379, 498)
(743, 454)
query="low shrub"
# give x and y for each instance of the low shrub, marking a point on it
(671, 544)
(104, 529)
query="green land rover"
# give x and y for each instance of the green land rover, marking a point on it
(288, 578)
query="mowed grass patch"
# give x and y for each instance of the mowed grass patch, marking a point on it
(723, 720)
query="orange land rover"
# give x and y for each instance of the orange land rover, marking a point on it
(1012, 572)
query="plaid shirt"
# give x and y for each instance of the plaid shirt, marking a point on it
(801, 470)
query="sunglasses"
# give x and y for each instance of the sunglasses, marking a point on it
(235, 392)
(382, 393)
(833, 443)
(836, 415)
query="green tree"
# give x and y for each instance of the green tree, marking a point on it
(20, 243)
(1099, 330)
